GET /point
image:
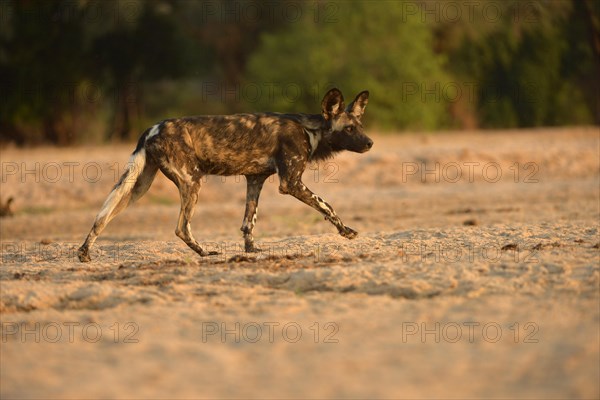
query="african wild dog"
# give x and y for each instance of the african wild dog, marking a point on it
(254, 145)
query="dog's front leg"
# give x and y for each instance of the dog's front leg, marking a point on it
(255, 184)
(305, 195)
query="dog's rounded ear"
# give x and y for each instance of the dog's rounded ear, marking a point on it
(357, 107)
(332, 104)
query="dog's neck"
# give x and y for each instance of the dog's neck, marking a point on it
(320, 136)
(319, 133)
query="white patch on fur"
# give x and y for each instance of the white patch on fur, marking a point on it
(153, 132)
(185, 175)
(252, 223)
(338, 124)
(314, 139)
(335, 108)
(249, 124)
(134, 170)
(323, 205)
(181, 173)
(262, 161)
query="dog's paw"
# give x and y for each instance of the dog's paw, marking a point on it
(83, 255)
(348, 233)
(252, 249)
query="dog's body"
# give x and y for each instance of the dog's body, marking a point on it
(254, 145)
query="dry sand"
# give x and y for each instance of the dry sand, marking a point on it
(475, 275)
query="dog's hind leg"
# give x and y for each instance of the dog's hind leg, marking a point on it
(189, 186)
(255, 184)
(188, 191)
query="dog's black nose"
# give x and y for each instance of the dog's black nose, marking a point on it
(369, 144)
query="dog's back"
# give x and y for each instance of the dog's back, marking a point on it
(241, 144)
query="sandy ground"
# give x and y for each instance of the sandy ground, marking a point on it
(475, 275)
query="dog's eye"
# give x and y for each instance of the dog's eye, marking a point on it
(348, 129)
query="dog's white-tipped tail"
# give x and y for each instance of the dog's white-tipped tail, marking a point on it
(121, 194)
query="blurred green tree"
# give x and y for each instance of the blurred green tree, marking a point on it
(355, 46)
(532, 64)
(70, 70)
(149, 48)
(51, 51)
(41, 46)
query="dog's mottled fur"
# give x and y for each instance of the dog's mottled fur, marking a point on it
(254, 145)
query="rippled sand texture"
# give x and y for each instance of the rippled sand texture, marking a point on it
(475, 275)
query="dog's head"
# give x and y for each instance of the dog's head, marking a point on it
(346, 127)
